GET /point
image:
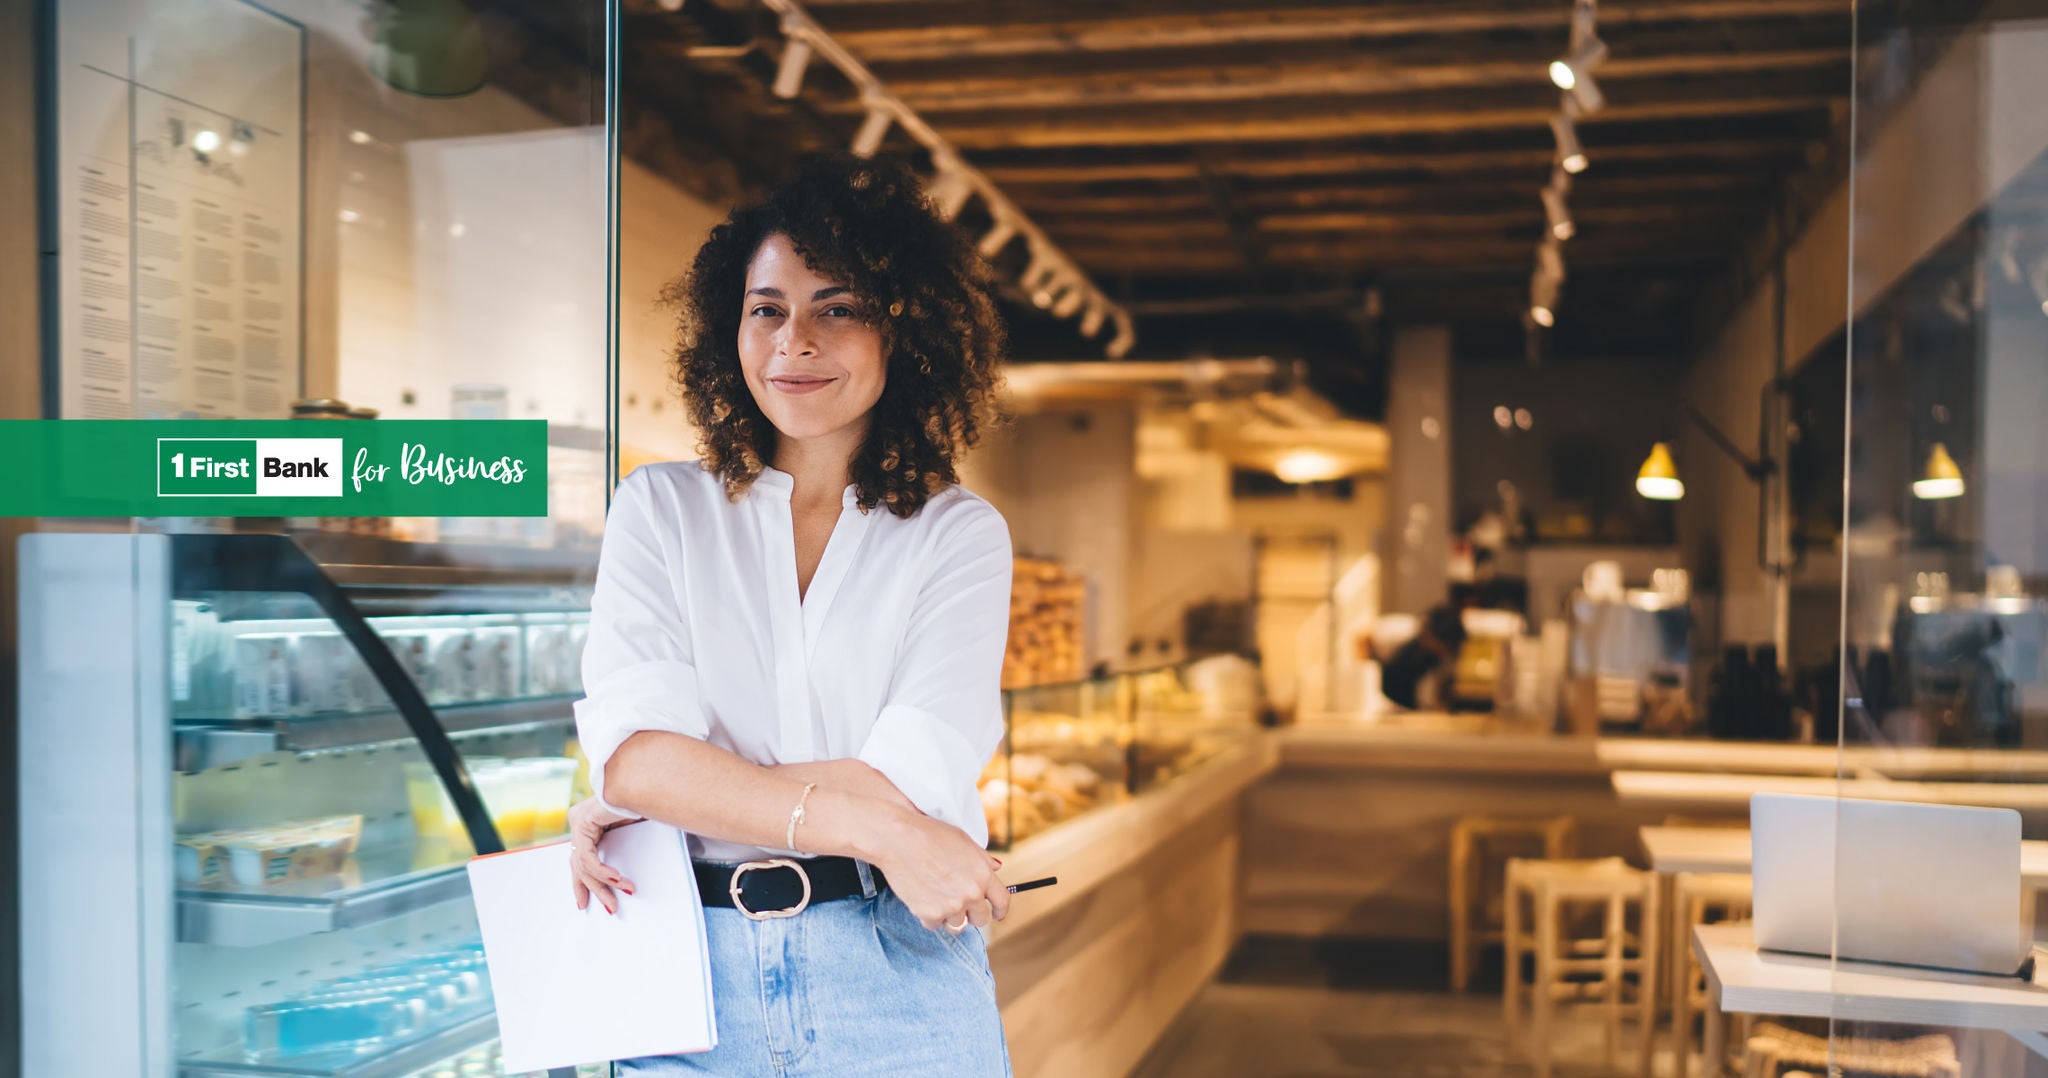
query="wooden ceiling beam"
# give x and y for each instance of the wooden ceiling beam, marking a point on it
(1349, 121)
(1418, 195)
(1394, 259)
(1321, 161)
(939, 31)
(1358, 75)
(1469, 221)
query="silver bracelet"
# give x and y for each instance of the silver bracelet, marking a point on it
(796, 816)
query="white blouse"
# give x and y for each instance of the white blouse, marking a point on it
(894, 654)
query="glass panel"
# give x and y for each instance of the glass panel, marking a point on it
(397, 209)
(1069, 750)
(1184, 715)
(1944, 625)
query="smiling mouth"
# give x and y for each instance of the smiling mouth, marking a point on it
(797, 383)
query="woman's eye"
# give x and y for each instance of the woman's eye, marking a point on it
(839, 310)
(764, 311)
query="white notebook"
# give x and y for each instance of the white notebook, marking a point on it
(582, 986)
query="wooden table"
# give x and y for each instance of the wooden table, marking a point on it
(1726, 849)
(1680, 789)
(1744, 980)
(1672, 850)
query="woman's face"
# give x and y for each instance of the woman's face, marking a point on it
(814, 365)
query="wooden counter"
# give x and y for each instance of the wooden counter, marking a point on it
(1090, 972)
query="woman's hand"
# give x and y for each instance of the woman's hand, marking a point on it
(945, 879)
(588, 821)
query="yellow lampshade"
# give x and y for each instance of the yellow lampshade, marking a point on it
(1942, 479)
(1658, 477)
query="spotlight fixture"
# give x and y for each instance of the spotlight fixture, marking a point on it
(1055, 285)
(1577, 66)
(1557, 215)
(1586, 95)
(1550, 260)
(1543, 290)
(796, 56)
(1571, 156)
(1051, 279)
(997, 238)
(1041, 269)
(1069, 301)
(950, 190)
(872, 131)
(1120, 345)
(1091, 319)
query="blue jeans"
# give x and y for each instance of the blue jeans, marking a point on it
(852, 987)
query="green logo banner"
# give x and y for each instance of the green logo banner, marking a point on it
(274, 467)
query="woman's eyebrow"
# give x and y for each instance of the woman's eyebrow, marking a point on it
(776, 293)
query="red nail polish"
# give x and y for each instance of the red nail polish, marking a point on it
(628, 890)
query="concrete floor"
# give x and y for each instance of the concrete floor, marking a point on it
(1325, 1009)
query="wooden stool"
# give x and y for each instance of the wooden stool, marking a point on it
(1697, 898)
(1610, 959)
(1772, 1047)
(1476, 846)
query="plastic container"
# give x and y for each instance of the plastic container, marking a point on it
(499, 782)
(550, 788)
(263, 668)
(434, 819)
(281, 1030)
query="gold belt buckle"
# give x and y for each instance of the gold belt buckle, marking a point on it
(732, 888)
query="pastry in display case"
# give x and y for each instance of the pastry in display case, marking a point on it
(335, 741)
(1064, 754)
(1048, 609)
(1185, 714)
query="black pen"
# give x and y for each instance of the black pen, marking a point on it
(1033, 885)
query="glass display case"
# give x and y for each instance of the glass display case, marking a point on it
(1072, 747)
(337, 741)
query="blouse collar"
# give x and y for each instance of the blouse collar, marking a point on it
(783, 486)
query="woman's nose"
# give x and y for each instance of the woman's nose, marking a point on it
(795, 339)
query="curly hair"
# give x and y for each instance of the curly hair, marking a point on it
(868, 224)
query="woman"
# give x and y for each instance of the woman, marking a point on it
(795, 643)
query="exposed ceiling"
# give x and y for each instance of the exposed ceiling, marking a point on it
(1209, 158)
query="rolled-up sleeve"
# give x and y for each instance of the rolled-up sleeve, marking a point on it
(639, 669)
(943, 716)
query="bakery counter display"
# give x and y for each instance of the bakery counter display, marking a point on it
(1065, 752)
(1048, 607)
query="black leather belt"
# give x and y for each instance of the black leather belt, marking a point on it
(781, 886)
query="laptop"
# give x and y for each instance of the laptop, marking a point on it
(1888, 881)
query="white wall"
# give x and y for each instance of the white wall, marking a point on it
(660, 229)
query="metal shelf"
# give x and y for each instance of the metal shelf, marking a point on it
(200, 744)
(398, 1062)
(251, 917)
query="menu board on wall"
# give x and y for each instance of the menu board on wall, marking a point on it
(178, 168)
